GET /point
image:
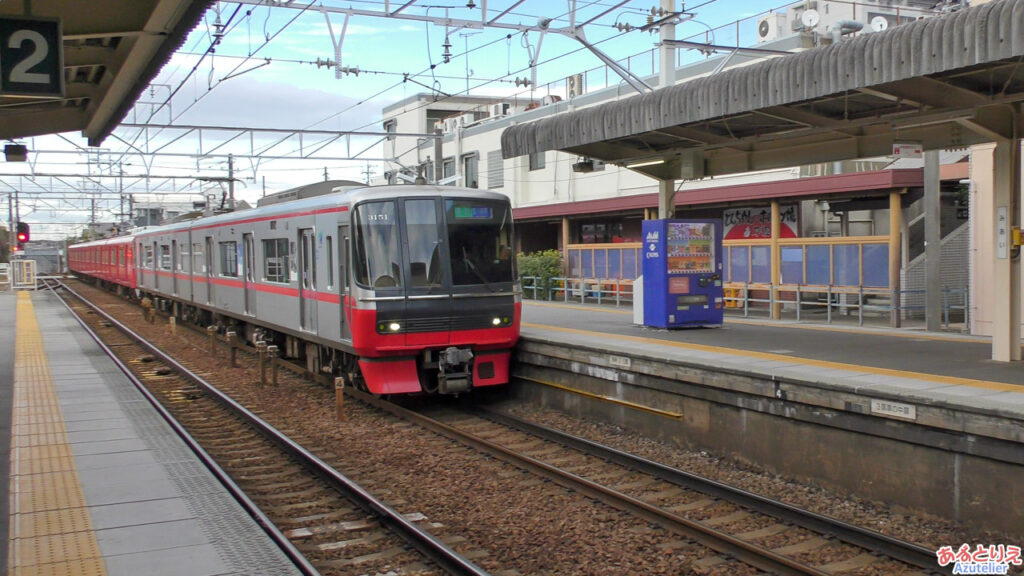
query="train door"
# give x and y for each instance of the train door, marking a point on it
(175, 266)
(307, 280)
(248, 264)
(140, 264)
(209, 270)
(343, 289)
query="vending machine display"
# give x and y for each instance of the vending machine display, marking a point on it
(682, 267)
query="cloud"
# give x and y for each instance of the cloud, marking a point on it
(255, 102)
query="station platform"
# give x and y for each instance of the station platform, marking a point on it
(923, 421)
(929, 366)
(98, 483)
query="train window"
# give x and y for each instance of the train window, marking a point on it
(377, 249)
(229, 259)
(275, 260)
(479, 241)
(424, 243)
(165, 257)
(330, 262)
(147, 261)
(197, 258)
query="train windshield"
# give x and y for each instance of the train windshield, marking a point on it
(479, 241)
(479, 238)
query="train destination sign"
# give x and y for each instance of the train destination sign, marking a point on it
(31, 57)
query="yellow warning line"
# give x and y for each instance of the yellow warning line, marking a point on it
(846, 329)
(986, 384)
(50, 529)
(611, 399)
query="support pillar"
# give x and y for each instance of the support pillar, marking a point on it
(1005, 287)
(895, 254)
(565, 241)
(932, 243)
(666, 198)
(776, 260)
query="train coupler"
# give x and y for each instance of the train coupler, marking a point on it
(456, 370)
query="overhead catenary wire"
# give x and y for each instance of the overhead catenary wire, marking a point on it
(233, 22)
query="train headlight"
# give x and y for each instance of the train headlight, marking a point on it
(496, 321)
(388, 327)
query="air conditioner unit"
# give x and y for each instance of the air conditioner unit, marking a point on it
(583, 166)
(574, 86)
(550, 99)
(586, 165)
(771, 27)
(451, 124)
(499, 109)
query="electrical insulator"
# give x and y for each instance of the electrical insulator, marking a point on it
(447, 55)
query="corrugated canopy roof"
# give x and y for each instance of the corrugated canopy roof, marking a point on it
(943, 82)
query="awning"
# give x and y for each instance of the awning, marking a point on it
(941, 82)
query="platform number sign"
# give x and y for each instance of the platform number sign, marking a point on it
(31, 58)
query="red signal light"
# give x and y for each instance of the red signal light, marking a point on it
(23, 232)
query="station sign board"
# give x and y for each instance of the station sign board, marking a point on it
(907, 149)
(31, 57)
(756, 222)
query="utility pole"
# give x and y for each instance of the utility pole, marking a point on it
(325, 173)
(120, 192)
(10, 231)
(231, 182)
(667, 77)
(438, 153)
(367, 173)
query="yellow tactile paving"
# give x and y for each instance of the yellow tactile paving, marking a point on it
(88, 567)
(50, 530)
(52, 522)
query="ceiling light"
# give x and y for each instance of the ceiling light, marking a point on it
(646, 163)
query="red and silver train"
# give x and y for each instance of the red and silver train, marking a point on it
(405, 289)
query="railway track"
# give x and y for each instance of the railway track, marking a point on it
(737, 524)
(325, 522)
(743, 529)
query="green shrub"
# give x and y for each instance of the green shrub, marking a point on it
(544, 266)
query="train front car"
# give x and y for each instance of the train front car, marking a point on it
(435, 298)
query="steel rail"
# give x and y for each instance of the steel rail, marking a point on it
(424, 542)
(874, 541)
(234, 489)
(746, 552)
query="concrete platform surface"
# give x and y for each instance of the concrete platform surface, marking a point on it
(98, 482)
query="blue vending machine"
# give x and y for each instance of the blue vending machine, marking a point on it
(682, 284)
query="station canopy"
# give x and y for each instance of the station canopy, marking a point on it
(112, 49)
(942, 82)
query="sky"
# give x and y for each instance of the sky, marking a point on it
(261, 73)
